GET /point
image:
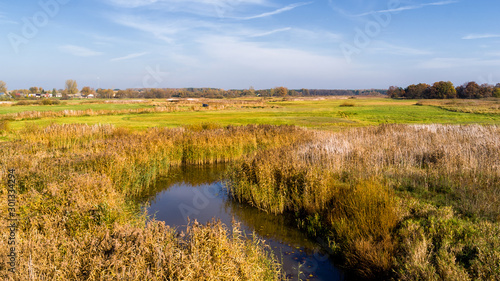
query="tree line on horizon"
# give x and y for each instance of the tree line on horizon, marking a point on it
(445, 90)
(71, 88)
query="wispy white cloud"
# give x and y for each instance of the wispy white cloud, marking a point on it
(407, 8)
(206, 8)
(161, 30)
(267, 33)
(219, 3)
(79, 51)
(276, 12)
(457, 63)
(132, 3)
(381, 46)
(480, 36)
(316, 34)
(5, 20)
(245, 62)
(131, 56)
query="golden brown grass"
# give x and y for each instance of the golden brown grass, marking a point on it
(411, 202)
(153, 252)
(77, 219)
(356, 187)
(4, 126)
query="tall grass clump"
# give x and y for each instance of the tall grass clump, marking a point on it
(37, 102)
(356, 215)
(133, 160)
(78, 218)
(4, 126)
(359, 187)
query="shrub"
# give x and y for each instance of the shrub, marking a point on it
(347, 104)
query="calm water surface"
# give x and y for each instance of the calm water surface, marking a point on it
(194, 192)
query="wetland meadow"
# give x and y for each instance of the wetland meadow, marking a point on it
(333, 188)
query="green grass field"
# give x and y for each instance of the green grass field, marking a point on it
(73, 105)
(319, 114)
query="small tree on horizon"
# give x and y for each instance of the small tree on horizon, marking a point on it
(71, 87)
(443, 90)
(87, 91)
(3, 87)
(34, 90)
(280, 91)
(496, 92)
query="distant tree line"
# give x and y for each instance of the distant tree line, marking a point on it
(220, 93)
(71, 89)
(445, 90)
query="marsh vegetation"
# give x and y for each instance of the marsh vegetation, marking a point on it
(408, 202)
(413, 202)
(78, 218)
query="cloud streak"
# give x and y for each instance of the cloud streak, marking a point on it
(143, 3)
(270, 32)
(79, 51)
(161, 31)
(276, 12)
(480, 36)
(5, 20)
(407, 8)
(206, 8)
(131, 56)
(385, 47)
(457, 63)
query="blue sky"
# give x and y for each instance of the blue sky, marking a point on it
(335, 44)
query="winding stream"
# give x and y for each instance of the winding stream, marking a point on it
(196, 192)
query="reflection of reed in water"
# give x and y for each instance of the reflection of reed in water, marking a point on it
(269, 226)
(194, 175)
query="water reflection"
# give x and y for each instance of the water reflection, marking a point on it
(197, 192)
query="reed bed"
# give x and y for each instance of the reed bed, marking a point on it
(78, 219)
(27, 115)
(483, 106)
(407, 202)
(152, 107)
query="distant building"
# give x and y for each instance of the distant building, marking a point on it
(90, 96)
